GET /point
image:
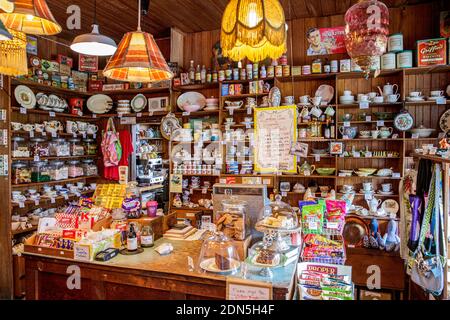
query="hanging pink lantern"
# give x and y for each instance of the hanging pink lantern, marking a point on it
(366, 31)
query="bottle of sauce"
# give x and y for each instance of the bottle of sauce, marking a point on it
(203, 74)
(132, 240)
(198, 75)
(192, 72)
(209, 76)
(215, 76)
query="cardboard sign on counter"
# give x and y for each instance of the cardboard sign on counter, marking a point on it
(241, 289)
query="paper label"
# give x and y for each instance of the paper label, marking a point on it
(51, 114)
(31, 134)
(36, 202)
(441, 100)
(332, 225)
(368, 196)
(94, 115)
(368, 118)
(186, 114)
(52, 200)
(80, 113)
(138, 115)
(23, 110)
(357, 154)
(21, 205)
(364, 105)
(317, 157)
(36, 159)
(415, 136)
(284, 194)
(380, 123)
(396, 175)
(346, 124)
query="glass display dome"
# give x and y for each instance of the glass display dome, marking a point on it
(278, 215)
(219, 255)
(264, 254)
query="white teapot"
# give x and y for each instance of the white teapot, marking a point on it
(388, 89)
(373, 204)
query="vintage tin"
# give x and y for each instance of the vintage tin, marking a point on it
(316, 66)
(296, 70)
(286, 70)
(249, 71)
(345, 65)
(431, 52)
(221, 75)
(405, 59)
(334, 66)
(270, 71)
(278, 71)
(388, 61)
(255, 70)
(236, 74)
(395, 42)
(306, 69)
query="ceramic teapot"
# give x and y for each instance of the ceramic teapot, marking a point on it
(373, 204)
(385, 172)
(388, 89)
(53, 126)
(306, 169)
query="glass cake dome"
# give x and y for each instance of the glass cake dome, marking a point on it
(219, 255)
(278, 215)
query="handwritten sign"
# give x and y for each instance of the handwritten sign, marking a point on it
(273, 141)
(240, 289)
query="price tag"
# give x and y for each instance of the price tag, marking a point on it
(77, 194)
(248, 126)
(21, 204)
(44, 134)
(94, 115)
(80, 113)
(53, 134)
(231, 111)
(37, 159)
(138, 115)
(36, 202)
(341, 174)
(345, 136)
(368, 196)
(94, 136)
(249, 110)
(74, 135)
(31, 134)
(368, 118)
(84, 135)
(317, 157)
(369, 154)
(204, 190)
(346, 124)
(415, 136)
(23, 110)
(364, 105)
(441, 100)
(284, 194)
(186, 114)
(51, 114)
(396, 175)
(380, 123)
(357, 154)
(332, 225)
(120, 115)
(312, 225)
(52, 200)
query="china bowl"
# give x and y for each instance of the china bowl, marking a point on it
(368, 170)
(362, 174)
(422, 132)
(384, 115)
(347, 99)
(192, 108)
(325, 171)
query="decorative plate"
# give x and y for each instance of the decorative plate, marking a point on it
(275, 97)
(390, 206)
(444, 121)
(25, 97)
(168, 125)
(354, 231)
(326, 92)
(139, 103)
(191, 98)
(99, 103)
(403, 121)
(210, 266)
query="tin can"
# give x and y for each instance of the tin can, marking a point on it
(243, 74)
(334, 66)
(317, 66)
(327, 68)
(236, 74)
(270, 71)
(263, 72)
(405, 59)
(395, 42)
(306, 69)
(388, 61)
(286, 70)
(255, 71)
(249, 71)
(431, 52)
(345, 65)
(229, 74)
(278, 71)
(225, 88)
(221, 75)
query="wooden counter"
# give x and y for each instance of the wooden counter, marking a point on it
(144, 276)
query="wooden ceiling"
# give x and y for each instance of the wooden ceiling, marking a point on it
(119, 16)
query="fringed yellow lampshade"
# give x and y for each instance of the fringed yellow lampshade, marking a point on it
(138, 59)
(32, 17)
(4, 34)
(253, 29)
(13, 55)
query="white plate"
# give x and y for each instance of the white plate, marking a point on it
(99, 103)
(390, 206)
(275, 263)
(191, 98)
(168, 125)
(326, 92)
(139, 103)
(210, 265)
(444, 121)
(25, 97)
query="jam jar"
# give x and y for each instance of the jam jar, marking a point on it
(58, 170)
(59, 147)
(21, 173)
(90, 147)
(76, 148)
(20, 148)
(39, 147)
(89, 168)
(40, 172)
(75, 169)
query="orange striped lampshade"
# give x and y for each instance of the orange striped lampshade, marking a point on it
(138, 59)
(32, 17)
(13, 55)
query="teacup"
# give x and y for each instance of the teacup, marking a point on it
(16, 126)
(367, 186)
(71, 127)
(378, 99)
(80, 185)
(316, 112)
(39, 127)
(289, 100)
(316, 101)
(375, 134)
(393, 98)
(363, 97)
(347, 188)
(347, 93)
(437, 93)
(372, 95)
(415, 94)
(82, 126)
(304, 99)
(365, 133)
(92, 129)
(386, 187)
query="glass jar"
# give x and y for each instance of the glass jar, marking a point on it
(278, 215)
(147, 237)
(59, 147)
(20, 148)
(40, 172)
(89, 168)
(58, 170)
(21, 173)
(90, 147)
(132, 205)
(76, 148)
(75, 169)
(39, 147)
(234, 220)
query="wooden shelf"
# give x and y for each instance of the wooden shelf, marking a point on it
(132, 91)
(40, 134)
(127, 115)
(369, 177)
(365, 122)
(23, 231)
(193, 87)
(306, 77)
(368, 158)
(39, 184)
(55, 158)
(371, 252)
(371, 105)
(42, 87)
(246, 95)
(430, 157)
(369, 139)
(361, 75)
(371, 217)
(313, 176)
(375, 195)
(57, 114)
(46, 200)
(425, 70)
(198, 113)
(425, 103)
(246, 81)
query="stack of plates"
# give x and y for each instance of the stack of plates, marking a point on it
(123, 106)
(99, 103)
(212, 104)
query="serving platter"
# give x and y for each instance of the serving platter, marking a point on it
(191, 98)
(25, 97)
(99, 103)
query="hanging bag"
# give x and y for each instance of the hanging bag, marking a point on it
(111, 147)
(428, 270)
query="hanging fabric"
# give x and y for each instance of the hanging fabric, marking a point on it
(111, 147)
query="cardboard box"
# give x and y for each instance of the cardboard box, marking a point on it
(431, 52)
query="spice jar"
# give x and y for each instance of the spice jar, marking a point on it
(90, 147)
(19, 148)
(59, 147)
(58, 170)
(76, 148)
(89, 168)
(39, 147)
(75, 169)
(40, 172)
(21, 173)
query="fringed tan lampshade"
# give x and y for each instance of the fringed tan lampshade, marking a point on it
(32, 17)
(253, 29)
(138, 59)
(4, 34)
(13, 55)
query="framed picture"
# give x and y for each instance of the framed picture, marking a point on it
(300, 149)
(158, 104)
(336, 148)
(184, 79)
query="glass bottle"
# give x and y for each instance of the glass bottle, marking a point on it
(132, 241)
(215, 76)
(147, 237)
(198, 74)
(192, 72)
(209, 76)
(203, 74)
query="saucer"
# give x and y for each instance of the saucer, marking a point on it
(415, 99)
(366, 191)
(434, 98)
(383, 193)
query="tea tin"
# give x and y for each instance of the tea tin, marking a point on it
(388, 61)
(345, 65)
(405, 59)
(395, 42)
(431, 52)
